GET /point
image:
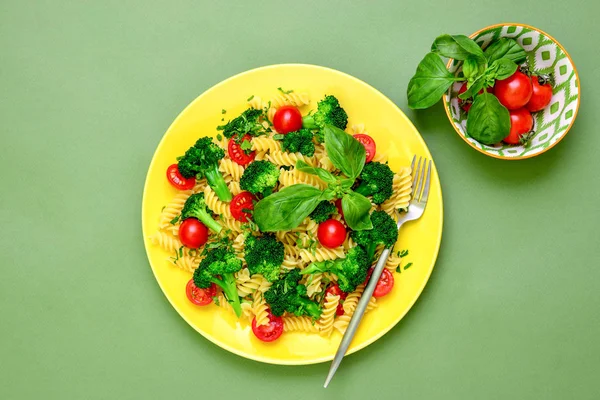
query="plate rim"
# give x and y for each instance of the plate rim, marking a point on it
(270, 360)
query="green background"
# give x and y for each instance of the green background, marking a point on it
(87, 89)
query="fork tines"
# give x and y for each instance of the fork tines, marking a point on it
(421, 178)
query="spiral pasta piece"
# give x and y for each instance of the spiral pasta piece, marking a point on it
(232, 224)
(292, 250)
(293, 177)
(234, 187)
(247, 284)
(290, 262)
(256, 103)
(402, 189)
(313, 284)
(321, 254)
(165, 241)
(283, 158)
(393, 261)
(216, 205)
(186, 263)
(297, 99)
(231, 169)
(352, 299)
(263, 144)
(328, 314)
(299, 324)
(173, 209)
(260, 309)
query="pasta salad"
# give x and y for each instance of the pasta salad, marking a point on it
(280, 217)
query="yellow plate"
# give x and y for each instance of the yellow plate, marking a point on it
(393, 133)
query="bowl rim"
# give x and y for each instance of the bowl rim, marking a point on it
(447, 104)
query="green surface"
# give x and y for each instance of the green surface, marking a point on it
(87, 89)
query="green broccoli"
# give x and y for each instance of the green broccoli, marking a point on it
(195, 207)
(260, 177)
(202, 160)
(324, 210)
(377, 180)
(248, 122)
(351, 271)
(286, 294)
(264, 255)
(299, 141)
(219, 267)
(384, 232)
(329, 112)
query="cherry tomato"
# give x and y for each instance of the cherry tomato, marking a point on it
(466, 104)
(336, 291)
(287, 119)
(331, 233)
(385, 284)
(239, 203)
(199, 296)
(237, 154)
(515, 91)
(369, 144)
(338, 205)
(177, 180)
(521, 123)
(269, 332)
(541, 95)
(193, 233)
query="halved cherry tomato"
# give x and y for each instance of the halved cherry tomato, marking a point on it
(239, 203)
(331, 233)
(270, 331)
(287, 119)
(369, 144)
(336, 291)
(199, 296)
(466, 104)
(385, 284)
(193, 233)
(541, 96)
(515, 91)
(177, 180)
(237, 154)
(521, 123)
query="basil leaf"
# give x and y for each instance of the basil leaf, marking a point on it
(458, 47)
(325, 175)
(356, 209)
(503, 68)
(346, 184)
(345, 152)
(287, 208)
(429, 83)
(473, 87)
(474, 66)
(488, 121)
(505, 48)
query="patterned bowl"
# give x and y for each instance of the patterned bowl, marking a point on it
(544, 55)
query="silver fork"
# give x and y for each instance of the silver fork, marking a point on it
(421, 179)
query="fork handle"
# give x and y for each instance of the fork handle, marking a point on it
(358, 314)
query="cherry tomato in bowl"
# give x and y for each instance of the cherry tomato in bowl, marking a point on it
(240, 203)
(287, 119)
(177, 180)
(331, 233)
(369, 145)
(237, 154)
(269, 332)
(521, 124)
(541, 94)
(193, 233)
(515, 91)
(200, 296)
(466, 104)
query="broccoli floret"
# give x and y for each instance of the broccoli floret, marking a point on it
(323, 211)
(202, 160)
(351, 271)
(264, 255)
(286, 294)
(248, 122)
(329, 112)
(260, 177)
(377, 180)
(299, 141)
(384, 232)
(195, 207)
(219, 267)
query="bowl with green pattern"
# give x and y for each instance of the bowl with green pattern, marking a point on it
(545, 55)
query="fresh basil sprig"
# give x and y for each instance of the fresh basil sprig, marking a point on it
(286, 209)
(459, 47)
(505, 48)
